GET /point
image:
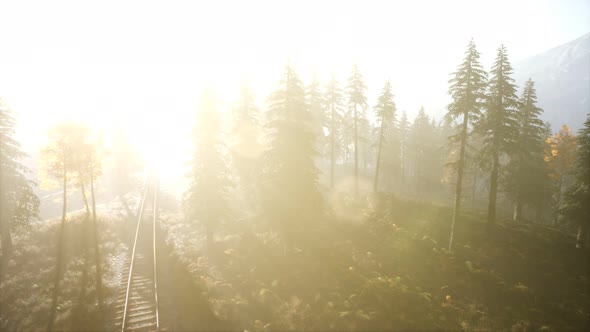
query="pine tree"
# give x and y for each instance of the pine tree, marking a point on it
(549, 189)
(499, 126)
(385, 114)
(206, 202)
(314, 100)
(436, 158)
(467, 89)
(527, 173)
(577, 198)
(289, 185)
(245, 111)
(420, 147)
(403, 132)
(245, 146)
(357, 102)
(333, 100)
(561, 161)
(18, 202)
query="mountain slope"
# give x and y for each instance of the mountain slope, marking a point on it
(562, 78)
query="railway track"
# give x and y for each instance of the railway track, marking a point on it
(138, 305)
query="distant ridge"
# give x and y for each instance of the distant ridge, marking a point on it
(562, 79)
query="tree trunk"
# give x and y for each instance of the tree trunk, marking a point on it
(84, 279)
(60, 247)
(96, 248)
(493, 189)
(582, 235)
(517, 209)
(403, 165)
(457, 207)
(332, 149)
(474, 188)
(356, 154)
(6, 238)
(5, 229)
(378, 165)
(558, 200)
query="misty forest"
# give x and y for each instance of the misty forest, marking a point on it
(315, 205)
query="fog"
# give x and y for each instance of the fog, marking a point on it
(310, 165)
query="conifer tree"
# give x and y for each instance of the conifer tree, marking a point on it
(385, 114)
(245, 147)
(577, 198)
(527, 173)
(467, 89)
(549, 189)
(421, 147)
(403, 131)
(315, 105)
(205, 201)
(499, 126)
(289, 184)
(561, 161)
(18, 202)
(333, 100)
(245, 111)
(357, 102)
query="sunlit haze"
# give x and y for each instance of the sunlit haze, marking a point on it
(140, 64)
(310, 165)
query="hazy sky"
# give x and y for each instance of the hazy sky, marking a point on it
(111, 62)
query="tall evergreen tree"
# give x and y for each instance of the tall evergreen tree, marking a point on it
(499, 126)
(245, 111)
(467, 89)
(18, 202)
(206, 202)
(561, 161)
(291, 199)
(357, 102)
(403, 132)
(577, 198)
(421, 145)
(385, 114)
(527, 173)
(315, 104)
(333, 101)
(245, 146)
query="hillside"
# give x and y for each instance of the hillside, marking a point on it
(385, 269)
(562, 79)
(390, 270)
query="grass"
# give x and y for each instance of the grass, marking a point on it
(382, 264)
(29, 276)
(392, 271)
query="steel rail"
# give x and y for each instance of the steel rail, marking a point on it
(148, 181)
(155, 218)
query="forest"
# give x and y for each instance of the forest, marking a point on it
(318, 209)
